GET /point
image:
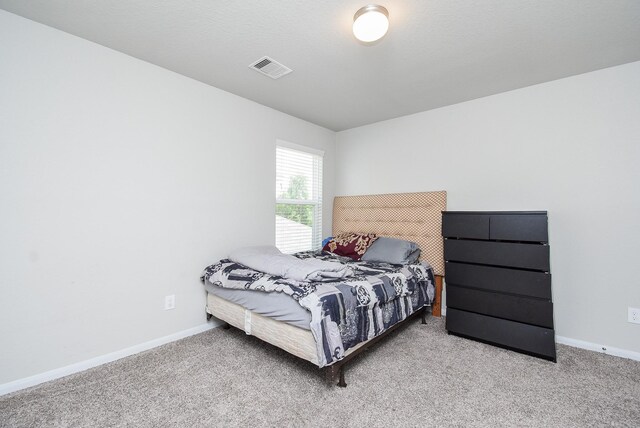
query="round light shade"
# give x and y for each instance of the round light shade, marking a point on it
(370, 23)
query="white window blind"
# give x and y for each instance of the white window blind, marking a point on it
(298, 198)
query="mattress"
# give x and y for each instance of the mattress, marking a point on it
(294, 340)
(277, 306)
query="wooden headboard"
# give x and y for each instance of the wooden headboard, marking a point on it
(414, 217)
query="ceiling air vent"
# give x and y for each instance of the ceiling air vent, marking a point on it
(270, 67)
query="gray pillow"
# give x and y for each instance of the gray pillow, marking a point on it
(391, 250)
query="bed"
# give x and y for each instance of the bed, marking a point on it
(408, 216)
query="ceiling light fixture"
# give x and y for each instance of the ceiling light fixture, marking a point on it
(370, 23)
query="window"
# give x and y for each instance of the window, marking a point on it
(298, 198)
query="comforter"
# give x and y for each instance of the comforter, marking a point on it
(344, 312)
(269, 259)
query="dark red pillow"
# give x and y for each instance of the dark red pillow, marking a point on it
(349, 244)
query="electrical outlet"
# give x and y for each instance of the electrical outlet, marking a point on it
(634, 315)
(169, 302)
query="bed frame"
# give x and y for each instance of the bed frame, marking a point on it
(411, 216)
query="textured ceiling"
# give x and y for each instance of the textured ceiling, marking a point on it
(437, 52)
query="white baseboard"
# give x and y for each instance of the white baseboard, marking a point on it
(27, 382)
(617, 352)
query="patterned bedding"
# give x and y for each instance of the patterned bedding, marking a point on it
(345, 312)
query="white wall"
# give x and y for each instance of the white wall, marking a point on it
(119, 182)
(571, 147)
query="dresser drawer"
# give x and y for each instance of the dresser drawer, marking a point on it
(526, 256)
(504, 280)
(531, 339)
(472, 226)
(516, 308)
(519, 227)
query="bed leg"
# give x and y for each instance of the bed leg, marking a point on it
(209, 316)
(334, 372)
(424, 315)
(341, 382)
(226, 326)
(437, 301)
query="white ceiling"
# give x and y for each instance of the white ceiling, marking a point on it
(437, 52)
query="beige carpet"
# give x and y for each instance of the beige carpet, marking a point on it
(419, 376)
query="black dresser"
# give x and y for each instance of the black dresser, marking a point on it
(498, 279)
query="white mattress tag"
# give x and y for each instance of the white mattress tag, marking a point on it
(247, 321)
